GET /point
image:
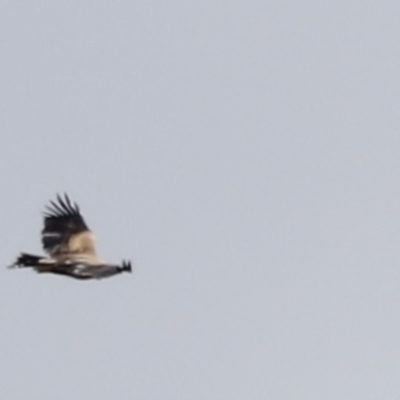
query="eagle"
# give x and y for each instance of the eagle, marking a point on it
(70, 246)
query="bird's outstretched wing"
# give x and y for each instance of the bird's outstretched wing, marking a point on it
(65, 232)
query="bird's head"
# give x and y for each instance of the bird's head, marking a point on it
(126, 266)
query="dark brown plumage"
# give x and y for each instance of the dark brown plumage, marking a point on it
(70, 245)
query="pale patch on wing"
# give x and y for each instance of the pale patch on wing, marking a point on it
(65, 230)
(83, 242)
(91, 260)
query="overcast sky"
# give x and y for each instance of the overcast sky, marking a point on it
(246, 157)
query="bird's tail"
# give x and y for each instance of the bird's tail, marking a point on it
(29, 260)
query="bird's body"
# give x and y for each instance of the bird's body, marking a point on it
(70, 246)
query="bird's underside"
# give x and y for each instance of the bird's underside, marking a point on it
(70, 246)
(74, 269)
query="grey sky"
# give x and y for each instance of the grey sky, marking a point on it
(245, 155)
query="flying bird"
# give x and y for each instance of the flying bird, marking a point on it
(70, 246)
